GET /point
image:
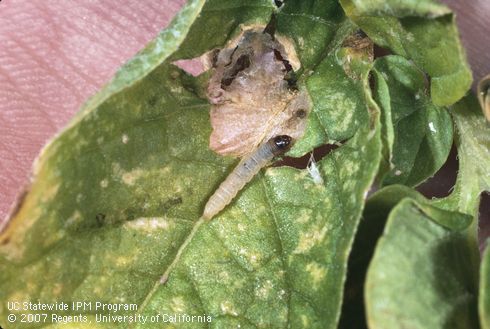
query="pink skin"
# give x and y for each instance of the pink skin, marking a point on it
(55, 54)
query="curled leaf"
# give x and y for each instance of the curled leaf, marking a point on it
(422, 132)
(397, 8)
(114, 211)
(421, 31)
(441, 259)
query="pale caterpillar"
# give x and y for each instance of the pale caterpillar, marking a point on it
(243, 173)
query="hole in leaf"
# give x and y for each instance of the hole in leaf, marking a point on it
(372, 81)
(290, 76)
(279, 3)
(241, 64)
(484, 220)
(192, 66)
(442, 183)
(285, 62)
(380, 51)
(271, 26)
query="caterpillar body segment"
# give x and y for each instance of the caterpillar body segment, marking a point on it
(243, 173)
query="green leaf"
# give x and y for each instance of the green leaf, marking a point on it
(473, 142)
(421, 274)
(425, 237)
(337, 89)
(113, 214)
(416, 30)
(397, 8)
(381, 94)
(335, 85)
(181, 39)
(339, 104)
(375, 215)
(371, 226)
(484, 299)
(219, 21)
(315, 28)
(114, 211)
(423, 133)
(275, 249)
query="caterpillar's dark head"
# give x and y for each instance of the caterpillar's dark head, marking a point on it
(281, 144)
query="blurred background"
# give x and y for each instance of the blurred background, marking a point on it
(55, 54)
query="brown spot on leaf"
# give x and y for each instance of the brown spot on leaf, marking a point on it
(357, 46)
(359, 42)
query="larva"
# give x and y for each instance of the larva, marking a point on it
(243, 173)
